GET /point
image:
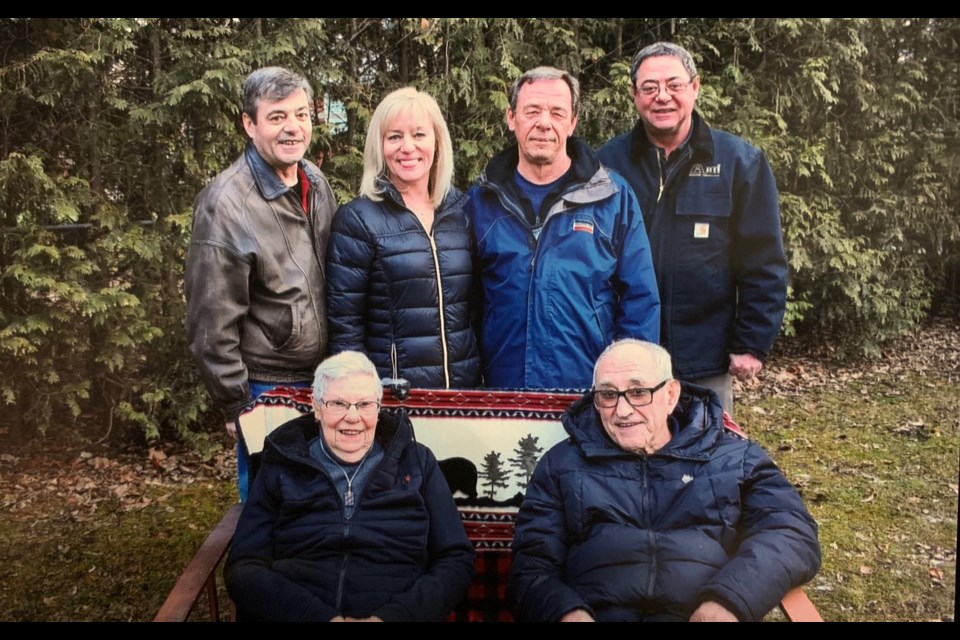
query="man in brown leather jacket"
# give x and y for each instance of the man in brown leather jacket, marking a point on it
(256, 310)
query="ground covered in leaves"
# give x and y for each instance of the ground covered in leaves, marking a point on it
(873, 446)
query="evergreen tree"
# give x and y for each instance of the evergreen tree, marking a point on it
(110, 127)
(493, 474)
(524, 460)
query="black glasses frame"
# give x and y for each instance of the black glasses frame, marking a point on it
(613, 402)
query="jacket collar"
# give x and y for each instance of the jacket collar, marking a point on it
(268, 182)
(455, 198)
(698, 416)
(700, 141)
(585, 163)
(590, 182)
(292, 440)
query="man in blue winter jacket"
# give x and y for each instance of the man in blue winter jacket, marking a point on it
(654, 510)
(712, 212)
(564, 257)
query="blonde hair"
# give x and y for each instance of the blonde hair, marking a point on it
(374, 164)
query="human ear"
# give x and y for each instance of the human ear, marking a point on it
(248, 124)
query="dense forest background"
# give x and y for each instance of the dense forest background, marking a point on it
(110, 127)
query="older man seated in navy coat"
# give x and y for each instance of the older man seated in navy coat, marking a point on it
(653, 509)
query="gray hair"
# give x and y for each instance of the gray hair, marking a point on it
(663, 49)
(271, 83)
(546, 73)
(375, 165)
(345, 363)
(659, 357)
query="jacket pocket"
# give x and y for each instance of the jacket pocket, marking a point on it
(286, 329)
(702, 246)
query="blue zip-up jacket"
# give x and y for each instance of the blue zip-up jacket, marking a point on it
(627, 536)
(403, 555)
(714, 227)
(402, 294)
(552, 303)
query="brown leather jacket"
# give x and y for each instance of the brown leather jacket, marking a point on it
(255, 279)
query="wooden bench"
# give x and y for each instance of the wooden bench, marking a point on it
(457, 425)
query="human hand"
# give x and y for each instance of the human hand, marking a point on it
(370, 619)
(577, 615)
(744, 366)
(338, 619)
(710, 611)
(231, 426)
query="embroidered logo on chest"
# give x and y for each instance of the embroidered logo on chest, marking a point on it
(705, 170)
(583, 225)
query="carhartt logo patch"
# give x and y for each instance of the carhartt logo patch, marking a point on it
(686, 477)
(705, 170)
(583, 225)
(701, 230)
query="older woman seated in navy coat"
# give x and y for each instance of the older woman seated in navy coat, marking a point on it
(349, 518)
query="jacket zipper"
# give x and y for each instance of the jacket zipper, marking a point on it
(668, 172)
(659, 175)
(343, 569)
(393, 360)
(443, 315)
(518, 213)
(651, 583)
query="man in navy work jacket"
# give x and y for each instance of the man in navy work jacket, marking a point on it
(653, 510)
(712, 211)
(564, 257)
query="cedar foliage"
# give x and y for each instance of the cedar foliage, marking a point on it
(110, 127)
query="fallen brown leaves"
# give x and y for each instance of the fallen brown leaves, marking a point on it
(38, 484)
(796, 367)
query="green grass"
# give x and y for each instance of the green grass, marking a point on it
(879, 471)
(117, 566)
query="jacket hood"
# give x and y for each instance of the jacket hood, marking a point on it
(697, 424)
(585, 163)
(589, 183)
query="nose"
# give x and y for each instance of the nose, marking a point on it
(623, 408)
(662, 94)
(407, 143)
(353, 413)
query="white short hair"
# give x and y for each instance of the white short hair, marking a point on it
(343, 364)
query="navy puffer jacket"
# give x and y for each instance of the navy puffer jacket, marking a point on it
(625, 536)
(403, 296)
(403, 555)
